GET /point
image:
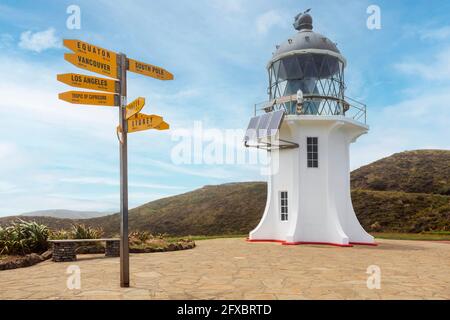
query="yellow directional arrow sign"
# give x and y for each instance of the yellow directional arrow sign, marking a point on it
(149, 70)
(91, 98)
(91, 51)
(89, 82)
(163, 126)
(92, 64)
(140, 122)
(135, 107)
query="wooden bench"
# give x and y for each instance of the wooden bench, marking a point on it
(65, 250)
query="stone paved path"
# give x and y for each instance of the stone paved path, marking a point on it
(235, 269)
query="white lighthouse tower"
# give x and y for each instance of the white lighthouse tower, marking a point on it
(307, 127)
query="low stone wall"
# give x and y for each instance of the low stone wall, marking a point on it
(112, 248)
(90, 249)
(64, 251)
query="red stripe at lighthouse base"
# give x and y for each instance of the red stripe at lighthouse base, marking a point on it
(374, 244)
(285, 243)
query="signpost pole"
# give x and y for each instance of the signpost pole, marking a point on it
(124, 249)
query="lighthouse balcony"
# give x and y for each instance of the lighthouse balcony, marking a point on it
(315, 105)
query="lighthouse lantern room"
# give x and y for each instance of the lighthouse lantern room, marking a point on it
(307, 127)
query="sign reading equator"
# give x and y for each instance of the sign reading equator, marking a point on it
(90, 98)
(149, 70)
(92, 64)
(91, 51)
(89, 82)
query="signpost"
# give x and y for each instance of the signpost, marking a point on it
(96, 59)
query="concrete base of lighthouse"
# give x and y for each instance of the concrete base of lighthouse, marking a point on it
(319, 202)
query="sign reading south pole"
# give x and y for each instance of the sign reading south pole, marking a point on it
(89, 82)
(90, 98)
(149, 70)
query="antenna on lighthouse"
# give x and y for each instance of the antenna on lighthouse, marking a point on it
(299, 101)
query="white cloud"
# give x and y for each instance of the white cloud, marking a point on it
(268, 20)
(39, 41)
(417, 122)
(433, 68)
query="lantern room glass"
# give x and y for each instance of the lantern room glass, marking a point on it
(319, 76)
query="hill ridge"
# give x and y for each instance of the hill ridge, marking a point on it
(236, 208)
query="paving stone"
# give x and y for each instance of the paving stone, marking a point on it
(236, 269)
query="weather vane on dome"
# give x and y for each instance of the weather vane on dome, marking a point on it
(303, 21)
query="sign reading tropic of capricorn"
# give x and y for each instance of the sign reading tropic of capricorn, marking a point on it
(113, 93)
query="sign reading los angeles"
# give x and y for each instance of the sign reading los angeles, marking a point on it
(89, 82)
(135, 107)
(149, 70)
(90, 98)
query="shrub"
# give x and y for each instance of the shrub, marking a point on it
(60, 234)
(80, 231)
(140, 236)
(24, 237)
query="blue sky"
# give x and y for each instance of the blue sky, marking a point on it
(55, 155)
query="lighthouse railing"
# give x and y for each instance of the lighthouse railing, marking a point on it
(327, 106)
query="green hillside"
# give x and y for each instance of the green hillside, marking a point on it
(237, 208)
(421, 171)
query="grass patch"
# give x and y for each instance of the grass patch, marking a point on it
(428, 236)
(198, 238)
(425, 236)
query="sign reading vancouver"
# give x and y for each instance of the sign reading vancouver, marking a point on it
(92, 64)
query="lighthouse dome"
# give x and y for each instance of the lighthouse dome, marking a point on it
(305, 39)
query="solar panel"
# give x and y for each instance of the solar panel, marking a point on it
(275, 123)
(250, 134)
(263, 125)
(266, 125)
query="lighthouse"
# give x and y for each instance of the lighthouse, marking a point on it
(307, 127)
